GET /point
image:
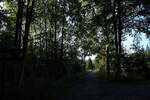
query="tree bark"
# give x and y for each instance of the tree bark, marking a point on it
(19, 24)
(62, 38)
(25, 38)
(108, 65)
(46, 37)
(55, 36)
(107, 57)
(27, 26)
(117, 62)
(119, 37)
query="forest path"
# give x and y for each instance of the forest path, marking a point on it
(91, 89)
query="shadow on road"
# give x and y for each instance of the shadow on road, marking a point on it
(91, 89)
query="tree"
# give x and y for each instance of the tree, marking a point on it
(19, 17)
(29, 11)
(90, 64)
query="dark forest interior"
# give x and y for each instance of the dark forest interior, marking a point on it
(74, 50)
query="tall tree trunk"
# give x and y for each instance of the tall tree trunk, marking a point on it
(19, 24)
(55, 36)
(40, 38)
(117, 64)
(107, 62)
(26, 34)
(62, 38)
(119, 36)
(107, 57)
(50, 33)
(51, 37)
(84, 63)
(46, 38)
(27, 26)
